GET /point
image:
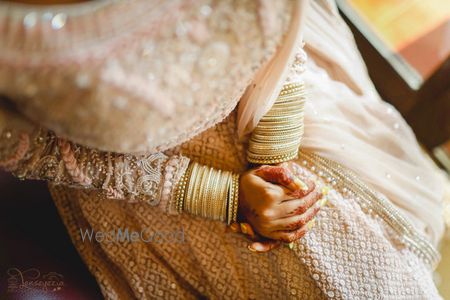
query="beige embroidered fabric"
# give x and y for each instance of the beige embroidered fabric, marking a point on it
(164, 70)
(370, 242)
(348, 122)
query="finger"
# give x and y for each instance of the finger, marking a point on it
(296, 196)
(264, 246)
(234, 227)
(244, 228)
(297, 172)
(295, 222)
(289, 208)
(291, 236)
(248, 230)
(300, 193)
(282, 176)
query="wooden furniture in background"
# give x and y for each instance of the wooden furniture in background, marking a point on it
(406, 47)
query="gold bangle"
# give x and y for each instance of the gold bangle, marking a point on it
(275, 126)
(274, 142)
(282, 122)
(271, 156)
(233, 202)
(230, 199)
(278, 134)
(295, 103)
(272, 159)
(189, 200)
(291, 88)
(208, 192)
(181, 189)
(293, 96)
(287, 136)
(264, 148)
(205, 176)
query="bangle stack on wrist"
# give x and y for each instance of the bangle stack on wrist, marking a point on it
(209, 193)
(213, 194)
(278, 135)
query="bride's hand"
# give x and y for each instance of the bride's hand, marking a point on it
(276, 205)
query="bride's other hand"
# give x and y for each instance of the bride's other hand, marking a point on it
(276, 204)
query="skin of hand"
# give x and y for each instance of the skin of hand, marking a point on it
(275, 206)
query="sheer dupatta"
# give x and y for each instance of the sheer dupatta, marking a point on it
(346, 120)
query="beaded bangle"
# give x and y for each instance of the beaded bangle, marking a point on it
(271, 160)
(284, 138)
(233, 202)
(181, 189)
(291, 88)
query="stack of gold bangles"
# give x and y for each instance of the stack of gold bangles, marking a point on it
(213, 194)
(278, 135)
(209, 193)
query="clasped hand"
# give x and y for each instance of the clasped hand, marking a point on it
(276, 206)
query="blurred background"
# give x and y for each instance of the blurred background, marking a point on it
(406, 46)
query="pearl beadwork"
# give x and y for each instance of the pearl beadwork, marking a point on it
(205, 10)
(373, 204)
(58, 21)
(187, 51)
(30, 20)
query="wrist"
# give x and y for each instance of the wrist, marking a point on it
(209, 193)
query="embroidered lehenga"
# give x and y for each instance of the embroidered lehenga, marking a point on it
(113, 155)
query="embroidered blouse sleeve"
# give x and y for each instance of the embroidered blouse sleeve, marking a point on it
(32, 152)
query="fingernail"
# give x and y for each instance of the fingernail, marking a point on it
(258, 247)
(325, 190)
(234, 227)
(249, 247)
(301, 184)
(244, 228)
(250, 231)
(311, 224)
(324, 201)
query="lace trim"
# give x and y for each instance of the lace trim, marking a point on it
(175, 169)
(42, 155)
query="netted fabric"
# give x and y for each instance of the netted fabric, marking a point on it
(354, 252)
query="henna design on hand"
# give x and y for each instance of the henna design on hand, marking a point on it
(303, 220)
(275, 174)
